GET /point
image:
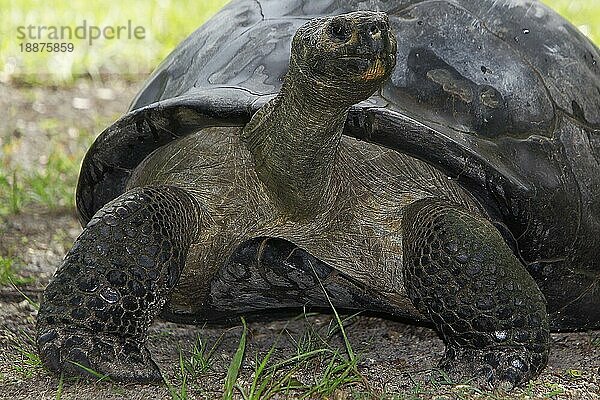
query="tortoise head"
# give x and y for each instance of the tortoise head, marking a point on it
(346, 57)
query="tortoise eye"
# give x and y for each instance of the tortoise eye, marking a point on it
(340, 29)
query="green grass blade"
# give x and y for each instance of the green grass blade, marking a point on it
(100, 377)
(258, 374)
(301, 357)
(337, 318)
(236, 363)
(172, 390)
(182, 395)
(15, 195)
(32, 303)
(60, 386)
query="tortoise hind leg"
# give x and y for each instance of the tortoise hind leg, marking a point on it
(97, 309)
(487, 308)
(267, 273)
(270, 273)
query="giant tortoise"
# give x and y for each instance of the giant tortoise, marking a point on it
(432, 160)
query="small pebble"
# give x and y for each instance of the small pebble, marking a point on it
(81, 103)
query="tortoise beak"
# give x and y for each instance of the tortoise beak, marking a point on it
(377, 40)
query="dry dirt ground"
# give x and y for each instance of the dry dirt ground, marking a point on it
(396, 360)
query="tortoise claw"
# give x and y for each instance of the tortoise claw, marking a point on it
(97, 356)
(500, 368)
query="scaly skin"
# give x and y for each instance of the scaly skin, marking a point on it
(487, 308)
(113, 282)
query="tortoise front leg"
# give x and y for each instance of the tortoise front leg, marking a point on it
(487, 308)
(112, 283)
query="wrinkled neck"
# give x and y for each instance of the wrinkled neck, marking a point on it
(294, 140)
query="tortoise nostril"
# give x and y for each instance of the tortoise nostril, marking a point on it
(374, 29)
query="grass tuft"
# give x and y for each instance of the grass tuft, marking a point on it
(180, 393)
(27, 362)
(201, 356)
(11, 193)
(51, 185)
(554, 390)
(9, 273)
(332, 369)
